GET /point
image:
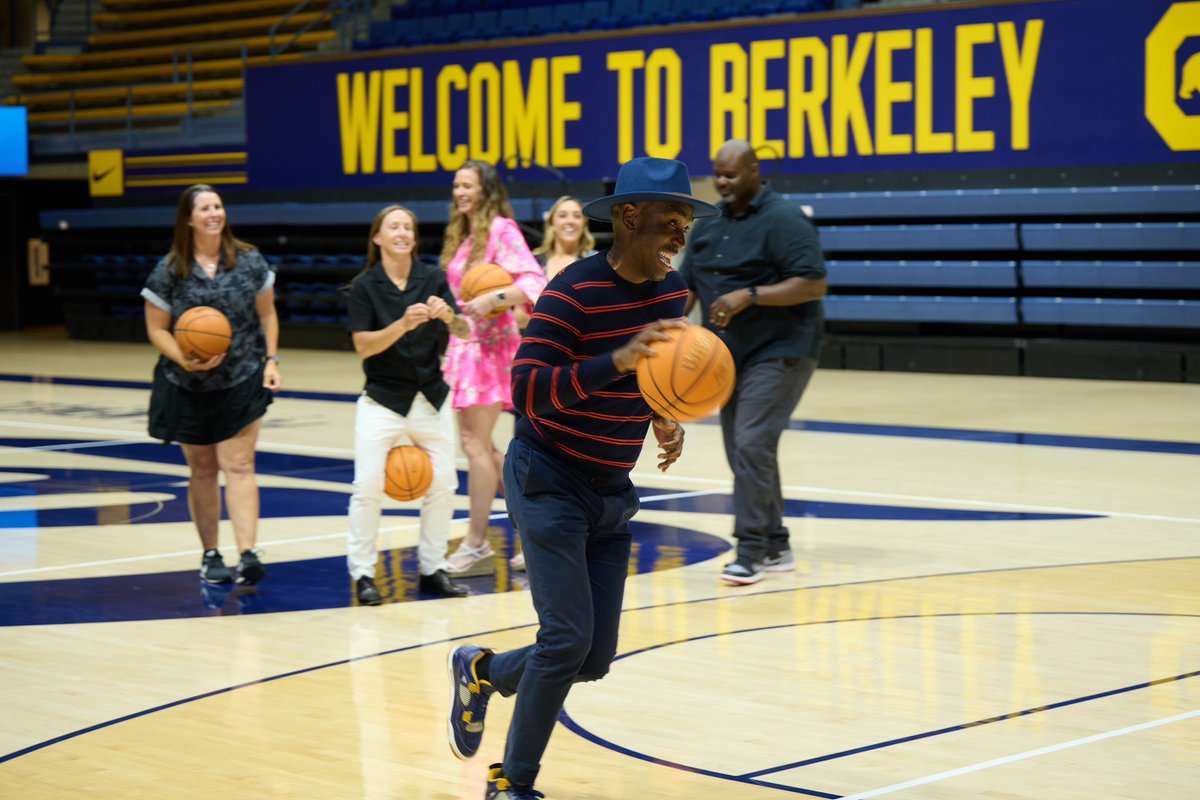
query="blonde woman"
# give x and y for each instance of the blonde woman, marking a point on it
(481, 230)
(567, 238)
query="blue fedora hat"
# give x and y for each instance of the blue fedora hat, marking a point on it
(645, 179)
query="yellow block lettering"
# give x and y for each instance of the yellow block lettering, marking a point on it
(664, 78)
(358, 118)
(969, 87)
(526, 116)
(393, 120)
(763, 99)
(847, 109)
(450, 156)
(1020, 64)
(728, 97)
(421, 161)
(928, 141)
(563, 112)
(483, 122)
(808, 89)
(625, 63)
(889, 91)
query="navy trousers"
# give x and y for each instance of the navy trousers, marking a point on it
(576, 540)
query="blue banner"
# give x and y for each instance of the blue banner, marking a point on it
(1019, 85)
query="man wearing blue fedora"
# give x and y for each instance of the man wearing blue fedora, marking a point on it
(581, 423)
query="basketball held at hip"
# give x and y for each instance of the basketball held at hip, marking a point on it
(689, 376)
(483, 278)
(203, 332)
(408, 473)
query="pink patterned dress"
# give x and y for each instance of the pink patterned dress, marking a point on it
(478, 368)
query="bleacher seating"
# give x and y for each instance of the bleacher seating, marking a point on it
(433, 22)
(1063, 261)
(149, 62)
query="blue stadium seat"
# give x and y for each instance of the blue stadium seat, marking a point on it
(1008, 203)
(483, 25)
(1108, 236)
(627, 13)
(1112, 274)
(990, 274)
(564, 16)
(907, 238)
(921, 308)
(596, 16)
(513, 22)
(452, 28)
(659, 12)
(1119, 312)
(541, 20)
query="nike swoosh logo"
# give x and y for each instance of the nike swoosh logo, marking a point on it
(99, 176)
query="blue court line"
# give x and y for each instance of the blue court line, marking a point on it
(753, 778)
(815, 426)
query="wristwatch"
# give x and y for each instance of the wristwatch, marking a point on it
(271, 358)
(753, 295)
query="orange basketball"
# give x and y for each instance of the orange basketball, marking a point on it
(408, 473)
(484, 278)
(688, 377)
(203, 332)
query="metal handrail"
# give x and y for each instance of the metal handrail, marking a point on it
(352, 10)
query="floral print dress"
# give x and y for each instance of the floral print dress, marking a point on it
(478, 368)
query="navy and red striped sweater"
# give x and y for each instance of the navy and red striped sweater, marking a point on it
(571, 402)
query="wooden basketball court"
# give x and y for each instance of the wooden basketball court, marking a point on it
(997, 597)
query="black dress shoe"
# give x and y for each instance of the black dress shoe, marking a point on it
(439, 584)
(368, 593)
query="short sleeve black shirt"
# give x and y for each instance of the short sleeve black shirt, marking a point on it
(413, 364)
(772, 240)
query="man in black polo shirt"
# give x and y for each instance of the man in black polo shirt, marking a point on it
(759, 275)
(401, 312)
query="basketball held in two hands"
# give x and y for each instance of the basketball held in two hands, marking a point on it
(203, 332)
(408, 473)
(483, 278)
(689, 377)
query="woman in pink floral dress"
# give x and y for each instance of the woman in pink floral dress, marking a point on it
(481, 230)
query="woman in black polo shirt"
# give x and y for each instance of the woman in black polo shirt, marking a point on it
(214, 407)
(401, 314)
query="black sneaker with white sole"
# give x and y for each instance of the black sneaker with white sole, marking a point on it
(250, 568)
(213, 569)
(742, 572)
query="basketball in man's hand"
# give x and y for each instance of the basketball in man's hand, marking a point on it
(483, 278)
(203, 332)
(689, 376)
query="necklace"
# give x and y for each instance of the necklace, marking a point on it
(208, 265)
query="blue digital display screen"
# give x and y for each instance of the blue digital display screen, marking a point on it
(14, 141)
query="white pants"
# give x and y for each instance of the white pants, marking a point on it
(377, 429)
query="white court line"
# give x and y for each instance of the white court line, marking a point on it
(896, 787)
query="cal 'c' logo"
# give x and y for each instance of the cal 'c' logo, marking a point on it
(1179, 130)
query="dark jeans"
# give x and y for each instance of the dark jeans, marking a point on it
(576, 541)
(751, 424)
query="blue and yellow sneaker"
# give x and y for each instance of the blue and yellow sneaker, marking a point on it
(468, 700)
(500, 787)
